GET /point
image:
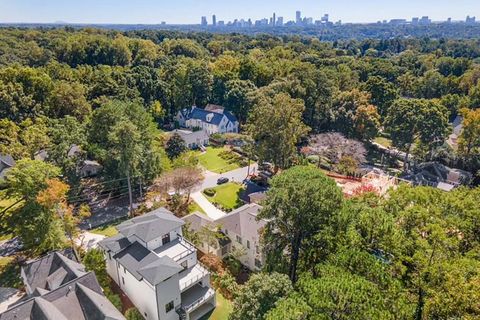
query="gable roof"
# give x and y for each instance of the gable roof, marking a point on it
(144, 264)
(151, 226)
(51, 271)
(206, 116)
(79, 299)
(243, 222)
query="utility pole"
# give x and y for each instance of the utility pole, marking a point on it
(130, 193)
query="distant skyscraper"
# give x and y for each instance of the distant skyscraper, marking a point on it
(470, 20)
(214, 20)
(221, 23)
(280, 21)
(204, 21)
(415, 21)
(274, 19)
(424, 20)
(298, 17)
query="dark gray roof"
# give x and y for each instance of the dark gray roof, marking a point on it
(115, 244)
(144, 264)
(201, 114)
(80, 299)
(151, 225)
(51, 271)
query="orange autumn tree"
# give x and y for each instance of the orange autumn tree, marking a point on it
(54, 200)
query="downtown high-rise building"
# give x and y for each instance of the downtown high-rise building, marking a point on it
(279, 22)
(214, 20)
(204, 22)
(274, 19)
(298, 17)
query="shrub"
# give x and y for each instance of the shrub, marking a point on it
(210, 192)
(227, 285)
(115, 300)
(133, 314)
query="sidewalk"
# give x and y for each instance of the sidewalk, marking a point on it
(206, 206)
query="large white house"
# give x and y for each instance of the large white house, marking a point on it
(213, 120)
(158, 269)
(239, 229)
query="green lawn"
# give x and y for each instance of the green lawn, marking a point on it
(383, 141)
(211, 161)
(193, 206)
(221, 312)
(227, 195)
(107, 230)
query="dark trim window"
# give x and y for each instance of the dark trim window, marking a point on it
(248, 244)
(169, 307)
(239, 239)
(166, 239)
(123, 281)
(257, 249)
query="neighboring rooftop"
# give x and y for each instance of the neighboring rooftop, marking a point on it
(151, 225)
(243, 221)
(51, 271)
(79, 299)
(213, 115)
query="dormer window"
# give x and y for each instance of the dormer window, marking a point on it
(209, 117)
(166, 239)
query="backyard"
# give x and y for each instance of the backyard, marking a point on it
(214, 160)
(227, 196)
(221, 312)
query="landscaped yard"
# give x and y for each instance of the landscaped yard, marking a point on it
(221, 312)
(227, 195)
(212, 161)
(193, 206)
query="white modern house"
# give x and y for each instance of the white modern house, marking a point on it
(158, 269)
(239, 229)
(193, 139)
(212, 120)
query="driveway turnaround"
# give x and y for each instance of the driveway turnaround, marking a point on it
(237, 175)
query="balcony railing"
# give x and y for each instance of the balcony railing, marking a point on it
(192, 306)
(188, 283)
(190, 248)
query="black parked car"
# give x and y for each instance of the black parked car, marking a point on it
(222, 180)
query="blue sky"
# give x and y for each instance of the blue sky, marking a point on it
(190, 11)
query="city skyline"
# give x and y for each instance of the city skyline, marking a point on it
(190, 11)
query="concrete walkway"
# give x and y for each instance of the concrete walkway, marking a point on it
(211, 211)
(210, 181)
(88, 240)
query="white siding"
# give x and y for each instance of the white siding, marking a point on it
(141, 293)
(167, 291)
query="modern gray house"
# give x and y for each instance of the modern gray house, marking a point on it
(158, 269)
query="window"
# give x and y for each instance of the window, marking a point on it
(184, 264)
(258, 263)
(124, 270)
(257, 249)
(166, 239)
(239, 239)
(169, 307)
(123, 280)
(145, 314)
(226, 231)
(248, 244)
(109, 256)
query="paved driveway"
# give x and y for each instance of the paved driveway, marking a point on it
(237, 175)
